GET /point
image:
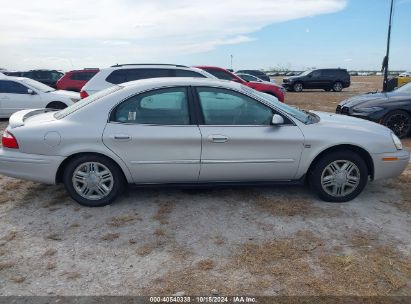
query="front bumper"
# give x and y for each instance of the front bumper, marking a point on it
(33, 167)
(388, 165)
(376, 116)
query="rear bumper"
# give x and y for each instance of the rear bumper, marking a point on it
(388, 165)
(37, 168)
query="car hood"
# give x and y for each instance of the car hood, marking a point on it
(64, 93)
(291, 77)
(374, 99)
(264, 84)
(346, 123)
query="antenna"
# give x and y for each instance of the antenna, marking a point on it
(387, 56)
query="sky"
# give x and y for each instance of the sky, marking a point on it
(258, 34)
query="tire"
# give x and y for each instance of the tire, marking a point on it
(339, 176)
(93, 180)
(337, 86)
(298, 87)
(399, 122)
(58, 105)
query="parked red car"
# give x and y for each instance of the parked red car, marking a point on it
(266, 87)
(75, 80)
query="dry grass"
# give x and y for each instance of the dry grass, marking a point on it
(380, 271)
(206, 265)
(145, 249)
(121, 221)
(51, 265)
(219, 241)
(160, 232)
(13, 185)
(6, 265)
(50, 252)
(163, 212)
(55, 237)
(264, 258)
(4, 198)
(10, 236)
(403, 184)
(363, 239)
(72, 275)
(110, 236)
(301, 266)
(18, 279)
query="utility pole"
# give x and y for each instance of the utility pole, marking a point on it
(387, 56)
(231, 57)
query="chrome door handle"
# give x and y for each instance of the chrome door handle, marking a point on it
(218, 138)
(122, 137)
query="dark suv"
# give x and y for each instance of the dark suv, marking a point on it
(256, 73)
(326, 79)
(48, 77)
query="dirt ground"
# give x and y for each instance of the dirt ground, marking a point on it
(257, 241)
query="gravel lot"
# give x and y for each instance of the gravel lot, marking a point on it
(259, 241)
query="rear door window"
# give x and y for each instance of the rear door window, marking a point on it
(12, 87)
(160, 107)
(125, 75)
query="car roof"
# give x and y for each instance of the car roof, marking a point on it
(84, 70)
(151, 65)
(182, 81)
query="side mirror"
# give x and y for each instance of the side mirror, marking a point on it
(31, 92)
(277, 120)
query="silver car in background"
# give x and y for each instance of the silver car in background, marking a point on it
(195, 131)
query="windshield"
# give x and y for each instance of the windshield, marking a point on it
(305, 73)
(83, 102)
(294, 112)
(404, 89)
(38, 85)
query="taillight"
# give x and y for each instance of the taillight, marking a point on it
(9, 141)
(83, 94)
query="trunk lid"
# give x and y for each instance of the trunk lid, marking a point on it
(31, 116)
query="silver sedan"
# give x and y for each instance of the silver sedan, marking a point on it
(195, 131)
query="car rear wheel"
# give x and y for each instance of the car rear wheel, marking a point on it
(93, 180)
(399, 122)
(339, 176)
(337, 87)
(298, 87)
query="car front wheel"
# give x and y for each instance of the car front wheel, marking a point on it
(337, 87)
(399, 122)
(339, 176)
(93, 180)
(298, 87)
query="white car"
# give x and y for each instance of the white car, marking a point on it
(405, 74)
(18, 93)
(195, 132)
(122, 73)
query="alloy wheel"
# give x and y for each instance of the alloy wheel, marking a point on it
(399, 123)
(340, 178)
(92, 180)
(298, 87)
(337, 87)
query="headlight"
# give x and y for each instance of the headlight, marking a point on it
(367, 110)
(397, 141)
